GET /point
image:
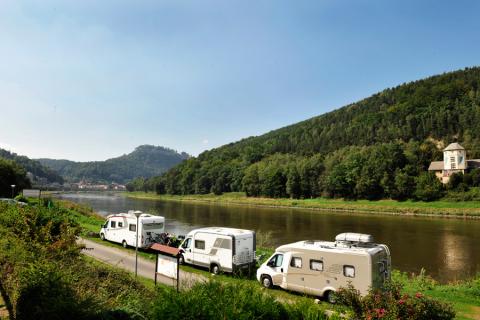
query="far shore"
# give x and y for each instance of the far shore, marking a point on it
(443, 209)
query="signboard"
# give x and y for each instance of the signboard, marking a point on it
(167, 263)
(167, 266)
(31, 193)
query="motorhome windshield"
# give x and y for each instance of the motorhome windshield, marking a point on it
(153, 226)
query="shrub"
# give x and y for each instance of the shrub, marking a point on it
(392, 304)
(214, 300)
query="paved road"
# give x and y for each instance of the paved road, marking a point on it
(125, 259)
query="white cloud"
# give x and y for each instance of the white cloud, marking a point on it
(205, 141)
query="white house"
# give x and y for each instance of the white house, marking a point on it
(454, 161)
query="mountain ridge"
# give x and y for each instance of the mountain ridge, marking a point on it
(144, 161)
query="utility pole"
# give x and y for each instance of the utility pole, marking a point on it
(137, 214)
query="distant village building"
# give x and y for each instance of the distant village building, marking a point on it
(454, 161)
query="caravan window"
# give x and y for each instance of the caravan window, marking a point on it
(120, 224)
(222, 243)
(200, 244)
(296, 262)
(349, 271)
(316, 265)
(112, 224)
(152, 226)
(132, 227)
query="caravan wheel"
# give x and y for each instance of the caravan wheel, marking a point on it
(181, 259)
(124, 244)
(267, 282)
(215, 269)
(331, 297)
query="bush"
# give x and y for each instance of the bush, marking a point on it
(214, 300)
(392, 304)
(428, 188)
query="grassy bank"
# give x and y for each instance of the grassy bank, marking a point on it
(469, 209)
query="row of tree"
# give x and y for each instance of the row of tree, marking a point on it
(388, 170)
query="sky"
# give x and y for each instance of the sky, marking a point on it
(91, 80)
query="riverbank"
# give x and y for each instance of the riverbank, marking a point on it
(447, 209)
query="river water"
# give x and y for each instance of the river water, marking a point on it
(448, 249)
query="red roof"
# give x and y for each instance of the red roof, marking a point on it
(165, 249)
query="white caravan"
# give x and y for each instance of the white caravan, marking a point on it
(122, 228)
(219, 249)
(320, 268)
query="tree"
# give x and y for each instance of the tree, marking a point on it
(12, 174)
(428, 188)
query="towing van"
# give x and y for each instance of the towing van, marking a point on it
(219, 249)
(320, 268)
(122, 228)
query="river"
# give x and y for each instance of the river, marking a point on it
(449, 249)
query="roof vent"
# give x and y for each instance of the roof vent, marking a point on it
(354, 237)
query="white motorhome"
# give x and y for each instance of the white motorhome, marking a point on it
(320, 268)
(219, 249)
(122, 228)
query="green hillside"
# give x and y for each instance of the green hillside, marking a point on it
(41, 173)
(377, 147)
(144, 161)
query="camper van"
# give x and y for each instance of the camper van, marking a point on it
(122, 228)
(320, 268)
(219, 249)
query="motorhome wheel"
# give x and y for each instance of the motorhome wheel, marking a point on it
(267, 282)
(181, 259)
(102, 236)
(215, 269)
(124, 244)
(331, 297)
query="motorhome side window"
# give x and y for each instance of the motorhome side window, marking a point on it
(316, 265)
(296, 262)
(349, 271)
(132, 227)
(112, 224)
(200, 244)
(120, 224)
(222, 243)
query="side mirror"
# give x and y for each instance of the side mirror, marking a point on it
(271, 263)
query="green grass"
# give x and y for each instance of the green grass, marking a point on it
(437, 208)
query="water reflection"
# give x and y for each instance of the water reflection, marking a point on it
(447, 249)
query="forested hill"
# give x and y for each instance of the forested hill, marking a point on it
(443, 107)
(41, 174)
(144, 161)
(411, 121)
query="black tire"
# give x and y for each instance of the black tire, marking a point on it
(331, 297)
(124, 244)
(215, 269)
(181, 259)
(266, 282)
(102, 236)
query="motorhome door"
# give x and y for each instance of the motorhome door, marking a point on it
(187, 248)
(276, 266)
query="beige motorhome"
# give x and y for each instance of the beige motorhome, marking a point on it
(320, 268)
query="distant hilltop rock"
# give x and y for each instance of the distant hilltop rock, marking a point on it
(145, 161)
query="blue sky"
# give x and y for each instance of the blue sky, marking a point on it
(90, 80)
